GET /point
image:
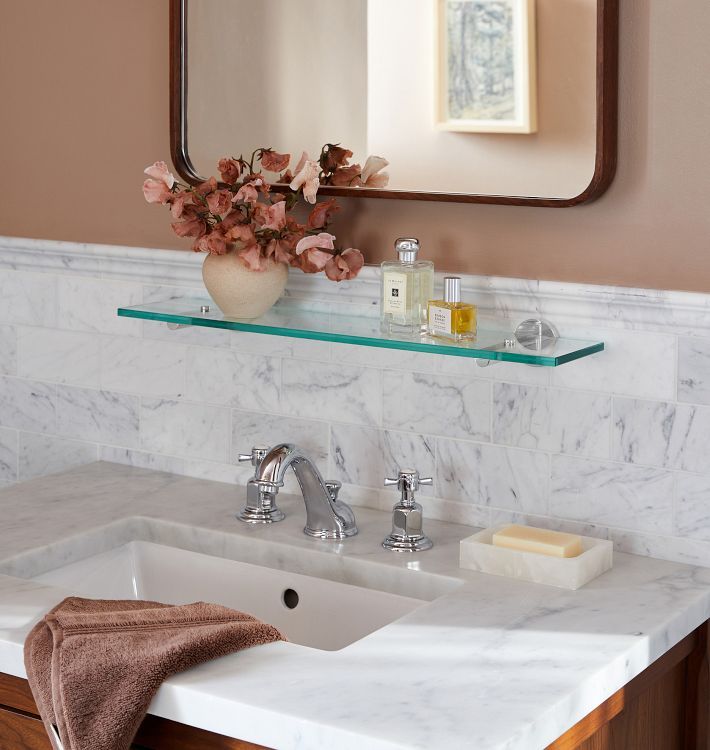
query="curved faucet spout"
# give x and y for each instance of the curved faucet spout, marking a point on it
(326, 516)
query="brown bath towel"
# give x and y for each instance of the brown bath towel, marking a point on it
(95, 665)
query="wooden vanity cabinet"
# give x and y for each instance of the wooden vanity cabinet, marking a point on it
(22, 729)
(667, 707)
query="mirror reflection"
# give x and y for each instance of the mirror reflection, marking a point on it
(460, 96)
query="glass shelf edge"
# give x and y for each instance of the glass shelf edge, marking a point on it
(529, 358)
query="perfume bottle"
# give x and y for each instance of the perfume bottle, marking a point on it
(406, 288)
(449, 317)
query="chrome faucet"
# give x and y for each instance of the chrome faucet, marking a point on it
(326, 516)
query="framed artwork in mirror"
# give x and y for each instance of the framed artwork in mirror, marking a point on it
(487, 64)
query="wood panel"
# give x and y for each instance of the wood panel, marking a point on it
(656, 710)
(154, 733)
(161, 734)
(697, 702)
(21, 732)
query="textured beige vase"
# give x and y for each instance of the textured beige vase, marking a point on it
(239, 292)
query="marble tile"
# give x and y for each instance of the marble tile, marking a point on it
(364, 456)
(141, 459)
(672, 436)
(27, 405)
(692, 506)
(280, 346)
(225, 473)
(251, 428)
(633, 363)
(346, 393)
(29, 298)
(551, 419)
(391, 359)
(58, 356)
(150, 368)
(694, 370)
(42, 454)
(87, 304)
(186, 430)
(611, 494)
(509, 372)
(100, 416)
(9, 452)
(437, 405)
(222, 376)
(491, 475)
(8, 350)
(682, 550)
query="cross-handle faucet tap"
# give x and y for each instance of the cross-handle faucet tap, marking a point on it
(407, 534)
(327, 517)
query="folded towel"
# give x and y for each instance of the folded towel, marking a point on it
(95, 665)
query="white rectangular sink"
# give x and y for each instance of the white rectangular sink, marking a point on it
(309, 611)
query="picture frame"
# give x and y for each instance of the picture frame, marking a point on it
(487, 66)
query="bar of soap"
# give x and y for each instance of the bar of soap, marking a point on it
(541, 541)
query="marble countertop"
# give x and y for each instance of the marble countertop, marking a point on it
(492, 664)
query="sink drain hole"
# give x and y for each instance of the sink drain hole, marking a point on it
(290, 598)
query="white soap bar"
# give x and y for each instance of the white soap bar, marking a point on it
(540, 541)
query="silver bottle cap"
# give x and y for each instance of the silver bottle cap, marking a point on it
(452, 289)
(407, 249)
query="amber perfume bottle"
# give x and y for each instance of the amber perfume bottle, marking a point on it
(450, 318)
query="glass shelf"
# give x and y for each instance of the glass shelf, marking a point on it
(494, 341)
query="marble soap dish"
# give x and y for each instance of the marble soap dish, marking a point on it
(478, 553)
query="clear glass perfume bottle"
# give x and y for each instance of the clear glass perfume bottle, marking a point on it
(450, 318)
(406, 288)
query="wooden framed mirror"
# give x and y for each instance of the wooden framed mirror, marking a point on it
(511, 102)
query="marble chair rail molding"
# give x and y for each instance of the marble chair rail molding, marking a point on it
(614, 446)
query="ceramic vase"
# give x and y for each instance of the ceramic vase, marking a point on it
(240, 292)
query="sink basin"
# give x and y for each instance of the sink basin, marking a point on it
(309, 611)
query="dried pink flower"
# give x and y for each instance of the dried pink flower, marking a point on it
(346, 176)
(307, 177)
(313, 260)
(252, 258)
(323, 240)
(229, 170)
(272, 161)
(220, 202)
(178, 201)
(159, 171)
(206, 187)
(247, 193)
(213, 243)
(372, 174)
(280, 250)
(320, 214)
(242, 233)
(345, 266)
(191, 224)
(274, 217)
(155, 191)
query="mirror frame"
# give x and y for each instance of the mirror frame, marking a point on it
(607, 105)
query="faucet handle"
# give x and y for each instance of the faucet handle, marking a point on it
(256, 456)
(408, 482)
(407, 518)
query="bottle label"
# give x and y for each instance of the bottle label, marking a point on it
(439, 319)
(394, 293)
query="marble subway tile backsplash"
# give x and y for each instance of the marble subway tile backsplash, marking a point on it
(614, 446)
